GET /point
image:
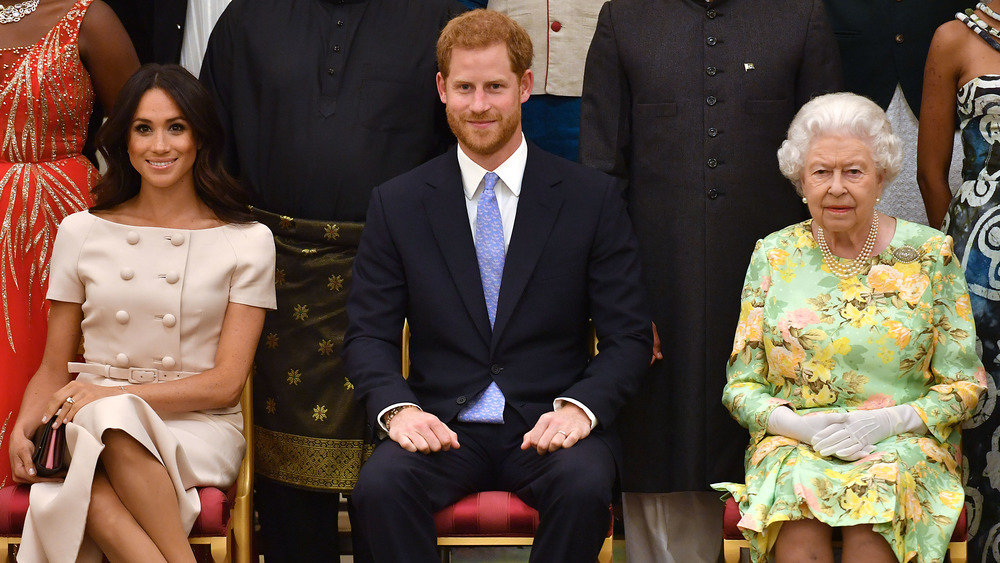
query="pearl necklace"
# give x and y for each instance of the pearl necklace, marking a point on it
(988, 11)
(11, 14)
(859, 263)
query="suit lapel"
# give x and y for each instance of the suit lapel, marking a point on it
(449, 219)
(537, 209)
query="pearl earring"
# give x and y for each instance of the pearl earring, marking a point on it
(804, 200)
(878, 200)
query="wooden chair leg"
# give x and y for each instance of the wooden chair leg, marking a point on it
(220, 550)
(957, 552)
(731, 550)
(606, 554)
(5, 550)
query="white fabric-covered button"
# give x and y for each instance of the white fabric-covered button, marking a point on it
(169, 362)
(172, 276)
(132, 237)
(177, 239)
(122, 317)
(121, 360)
(169, 320)
(128, 273)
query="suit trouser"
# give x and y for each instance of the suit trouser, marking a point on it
(399, 491)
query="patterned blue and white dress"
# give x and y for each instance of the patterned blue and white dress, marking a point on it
(973, 221)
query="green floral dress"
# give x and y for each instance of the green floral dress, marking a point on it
(900, 334)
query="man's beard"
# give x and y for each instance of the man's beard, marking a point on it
(484, 142)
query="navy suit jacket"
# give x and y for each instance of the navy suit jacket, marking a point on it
(572, 257)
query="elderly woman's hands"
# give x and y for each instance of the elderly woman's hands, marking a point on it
(857, 437)
(784, 422)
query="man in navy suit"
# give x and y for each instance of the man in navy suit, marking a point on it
(500, 256)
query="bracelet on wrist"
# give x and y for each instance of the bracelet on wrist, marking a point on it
(394, 411)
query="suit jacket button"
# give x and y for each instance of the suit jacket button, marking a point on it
(495, 369)
(461, 400)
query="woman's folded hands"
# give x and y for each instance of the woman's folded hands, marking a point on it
(849, 436)
(784, 422)
(857, 437)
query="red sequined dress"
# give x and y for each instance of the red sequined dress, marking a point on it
(45, 103)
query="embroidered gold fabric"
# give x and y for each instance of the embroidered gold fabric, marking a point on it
(314, 431)
(46, 99)
(314, 463)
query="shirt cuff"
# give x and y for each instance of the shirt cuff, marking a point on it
(558, 404)
(381, 414)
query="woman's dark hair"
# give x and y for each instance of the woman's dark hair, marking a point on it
(220, 191)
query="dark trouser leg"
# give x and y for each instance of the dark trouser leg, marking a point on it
(571, 489)
(296, 526)
(359, 544)
(399, 491)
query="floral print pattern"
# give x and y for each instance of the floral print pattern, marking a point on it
(900, 333)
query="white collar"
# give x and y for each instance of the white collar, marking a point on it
(511, 171)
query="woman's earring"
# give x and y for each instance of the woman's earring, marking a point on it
(878, 200)
(804, 200)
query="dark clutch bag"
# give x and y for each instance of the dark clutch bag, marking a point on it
(50, 450)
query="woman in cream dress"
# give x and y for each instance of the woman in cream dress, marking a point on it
(167, 279)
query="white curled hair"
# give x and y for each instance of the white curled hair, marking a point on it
(842, 113)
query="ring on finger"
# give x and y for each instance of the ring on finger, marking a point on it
(563, 433)
(70, 400)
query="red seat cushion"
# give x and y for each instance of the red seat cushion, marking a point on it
(213, 520)
(215, 509)
(731, 518)
(489, 513)
(13, 508)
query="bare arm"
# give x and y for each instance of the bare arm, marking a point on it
(107, 52)
(937, 121)
(61, 344)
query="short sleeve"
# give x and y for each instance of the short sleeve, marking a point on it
(253, 279)
(64, 278)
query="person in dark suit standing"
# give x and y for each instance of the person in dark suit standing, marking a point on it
(498, 254)
(883, 47)
(686, 102)
(884, 43)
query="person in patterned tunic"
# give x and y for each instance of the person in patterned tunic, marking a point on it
(962, 86)
(854, 361)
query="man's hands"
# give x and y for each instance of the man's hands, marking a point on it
(558, 429)
(657, 353)
(418, 431)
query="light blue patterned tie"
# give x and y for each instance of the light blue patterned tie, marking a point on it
(488, 406)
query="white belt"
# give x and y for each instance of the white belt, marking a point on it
(132, 375)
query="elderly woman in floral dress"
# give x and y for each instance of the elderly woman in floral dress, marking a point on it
(854, 361)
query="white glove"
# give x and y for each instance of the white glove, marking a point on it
(857, 437)
(784, 422)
